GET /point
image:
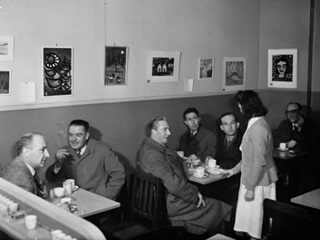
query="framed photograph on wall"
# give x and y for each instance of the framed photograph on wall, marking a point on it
(116, 66)
(206, 68)
(6, 48)
(5, 82)
(163, 66)
(57, 70)
(234, 73)
(282, 68)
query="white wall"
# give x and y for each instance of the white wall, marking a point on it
(202, 28)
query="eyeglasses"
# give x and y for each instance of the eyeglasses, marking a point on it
(295, 111)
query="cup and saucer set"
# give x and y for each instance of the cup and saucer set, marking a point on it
(212, 167)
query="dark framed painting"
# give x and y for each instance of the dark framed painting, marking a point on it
(282, 68)
(57, 71)
(116, 66)
(234, 73)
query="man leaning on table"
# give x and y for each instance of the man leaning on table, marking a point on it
(93, 165)
(21, 171)
(185, 205)
(197, 141)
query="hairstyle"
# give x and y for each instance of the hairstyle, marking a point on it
(295, 103)
(25, 141)
(190, 110)
(227, 114)
(251, 104)
(154, 123)
(79, 122)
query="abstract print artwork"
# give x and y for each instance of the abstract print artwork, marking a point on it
(234, 73)
(115, 66)
(5, 82)
(57, 71)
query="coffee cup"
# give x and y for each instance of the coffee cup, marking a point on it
(212, 163)
(31, 221)
(283, 146)
(67, 185)
(72, 182)
(199, 172)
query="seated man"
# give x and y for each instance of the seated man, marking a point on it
(296, 131)
(21, 171)
(228, 156)
(197, 141)
(185, 205)
(301, 134)
(92, 164)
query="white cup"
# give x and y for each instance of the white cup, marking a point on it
(283, 146)
(72, 182)
(68, 187)
(4, 210)
(31, 221)
(180, 153)
(212, 163)
(199, 172)
(13, 207)
(55, 234)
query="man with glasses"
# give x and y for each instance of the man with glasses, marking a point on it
(301, 135)
(197, 141)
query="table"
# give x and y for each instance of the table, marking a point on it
(206, 180)
(288, 165)
(220, 237)
(309, 199)
(89, 203)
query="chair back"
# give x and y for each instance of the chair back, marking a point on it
(287, 221)
(148, 199)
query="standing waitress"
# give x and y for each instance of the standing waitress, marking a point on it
(258, 170)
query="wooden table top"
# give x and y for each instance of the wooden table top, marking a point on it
(220, 237)
(309, 199)
(210, 178)
(286, 155)
(88, 203)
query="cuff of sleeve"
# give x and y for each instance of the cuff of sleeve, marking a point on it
(56, 168)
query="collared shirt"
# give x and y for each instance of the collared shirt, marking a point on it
(31, 169)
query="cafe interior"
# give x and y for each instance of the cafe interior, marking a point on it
(119, 97)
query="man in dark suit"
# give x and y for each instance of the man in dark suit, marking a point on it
(197, 141)
(21, 171)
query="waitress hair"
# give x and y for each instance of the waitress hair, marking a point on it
(251, 104)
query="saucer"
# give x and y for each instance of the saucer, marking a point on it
(204, 176)
(75, 188)
(215, 170)
(283, 150)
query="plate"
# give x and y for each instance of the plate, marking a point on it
(215, 170)
(283, 150)
(205, 175)
(75, 188)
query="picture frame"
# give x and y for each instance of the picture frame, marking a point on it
(234, 73)
(5, 82)
(206, 68)
(163, 66)
(116, 66)
(282, 68)
(57, 71)
(6, 48)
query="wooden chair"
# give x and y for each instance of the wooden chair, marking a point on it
(147, 209)
(284, 221)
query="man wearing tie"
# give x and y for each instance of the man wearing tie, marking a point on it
(21, 171)
(197, 142)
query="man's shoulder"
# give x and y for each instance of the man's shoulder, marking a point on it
(206, 132)
(94, 144)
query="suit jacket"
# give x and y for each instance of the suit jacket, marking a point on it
(19, 174)
(182, 196)
(257, 165)
(203, 144)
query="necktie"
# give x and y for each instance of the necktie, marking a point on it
(78, 151)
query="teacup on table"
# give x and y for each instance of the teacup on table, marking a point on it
(212, 163)
(199, 172)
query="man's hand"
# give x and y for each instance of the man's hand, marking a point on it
(61, 155)
(291, 143)
(249, 196)
(227, 173)
(300, 122)
(201, 200)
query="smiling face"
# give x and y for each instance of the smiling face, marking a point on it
(229, 125)
(37, 152)
(293, 112)
(77, 137)
(161, 133)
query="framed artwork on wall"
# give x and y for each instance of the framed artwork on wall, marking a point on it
(282, 68)
(116, 66)
(57, 70)
(6, 48)
(163, 66)
(234, 73)
(5, 82)
(206, 68)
